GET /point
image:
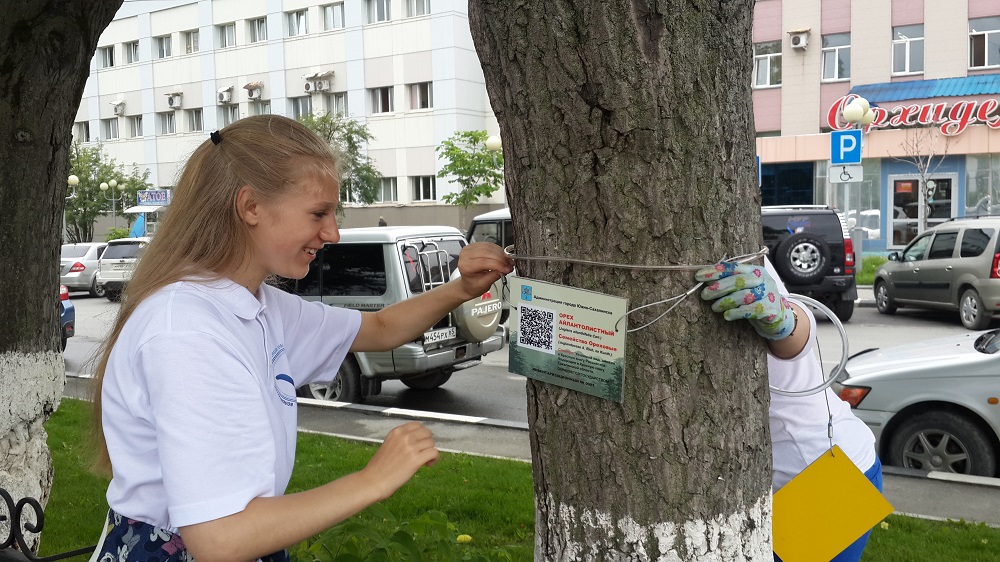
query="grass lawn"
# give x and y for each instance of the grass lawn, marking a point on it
(489, 500)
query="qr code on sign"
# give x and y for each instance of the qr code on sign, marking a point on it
(535, 328)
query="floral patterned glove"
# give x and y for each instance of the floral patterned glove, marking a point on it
(743, 291)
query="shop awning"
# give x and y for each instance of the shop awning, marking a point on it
(144, 209)
(923, 89)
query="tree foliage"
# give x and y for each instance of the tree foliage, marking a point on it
(92, 166)
(477, 170)
(362, 181)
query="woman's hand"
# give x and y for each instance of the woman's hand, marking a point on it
(480, 265)
(406, 449)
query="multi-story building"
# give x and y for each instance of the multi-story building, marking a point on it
(930, 70)
(168, 72)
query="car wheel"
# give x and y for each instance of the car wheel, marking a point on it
(802, 258)
(346, 387)
(972, 311)
(942, 442)
(843, 309)
(113, 295)
(883, 300)
(427, 382)
(95, 289)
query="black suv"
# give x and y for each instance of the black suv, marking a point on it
(810, 247)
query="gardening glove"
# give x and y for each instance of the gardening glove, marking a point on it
(743, 291)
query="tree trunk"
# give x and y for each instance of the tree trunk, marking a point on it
(628, 137)
(45, 52)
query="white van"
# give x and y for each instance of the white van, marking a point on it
(494, 227)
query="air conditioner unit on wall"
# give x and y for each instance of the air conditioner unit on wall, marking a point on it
(322, 85)
(119, 109)
(253, 94)
(225, 97)
(799, 40)
(309, 87)
(174, 101)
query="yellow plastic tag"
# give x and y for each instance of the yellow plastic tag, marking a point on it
(824, 509)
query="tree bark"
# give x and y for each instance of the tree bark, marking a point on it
(45, 52)
(628, 137)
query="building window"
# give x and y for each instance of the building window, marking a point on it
(301, 106)
(107, 56)
(297, 23)
(162, 46)
(381, 99)
(387, 191)
(166, 123)
(423, 188)
(767, 64)
(135, 126)
(195, 122)
(418, 7)
(230, 114)
(421, 95)
(333, 16)
(131, 52)
(110, 128)
(81, 131)
(984, 42)
(837, 56)
(191, 41)
(227, 35)
(337, 103)
(258, 30)
(378, 10)
(262, 107)
(908, 49)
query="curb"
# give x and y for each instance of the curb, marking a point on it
(992, 483)
(403, 413)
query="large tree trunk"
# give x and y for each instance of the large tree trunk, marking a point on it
(45, 52)
(628, 137)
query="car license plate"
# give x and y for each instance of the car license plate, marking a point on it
(440, 335)
(120, 266)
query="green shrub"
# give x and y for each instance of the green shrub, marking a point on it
(869, 264)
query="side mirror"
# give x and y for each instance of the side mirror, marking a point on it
(894, 256)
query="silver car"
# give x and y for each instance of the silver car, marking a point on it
(933, 405)
(78, 266)
(953, 266)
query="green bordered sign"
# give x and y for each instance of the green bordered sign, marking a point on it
(567, 337)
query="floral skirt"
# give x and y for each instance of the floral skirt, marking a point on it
(127, 540)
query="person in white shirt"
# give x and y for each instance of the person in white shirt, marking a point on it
(798, 424)
(195, 404)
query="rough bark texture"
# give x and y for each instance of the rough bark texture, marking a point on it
(45, 52)
(628, 137)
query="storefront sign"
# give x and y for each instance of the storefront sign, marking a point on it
(154, 196)
(951, 120)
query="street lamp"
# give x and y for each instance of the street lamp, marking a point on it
(114, 199)
(493, 144)
(858, 112)
(72, 181)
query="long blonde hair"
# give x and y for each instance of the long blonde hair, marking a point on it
(202, 233)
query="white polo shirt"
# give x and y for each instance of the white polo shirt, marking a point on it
(799, 424)
(198, 399)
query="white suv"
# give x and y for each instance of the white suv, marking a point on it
(371, 268)
(115, 266)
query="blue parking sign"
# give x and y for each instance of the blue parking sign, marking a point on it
(845, 147)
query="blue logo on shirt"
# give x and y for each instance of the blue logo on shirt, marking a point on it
(284, 386)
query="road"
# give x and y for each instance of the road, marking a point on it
(490, 391)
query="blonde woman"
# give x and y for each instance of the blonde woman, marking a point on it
(195, 403)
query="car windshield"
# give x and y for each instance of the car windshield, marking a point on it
(74, 251)
(122, 251)
(989, 342)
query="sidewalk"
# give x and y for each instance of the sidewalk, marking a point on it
(915, 493)
(866, 296)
